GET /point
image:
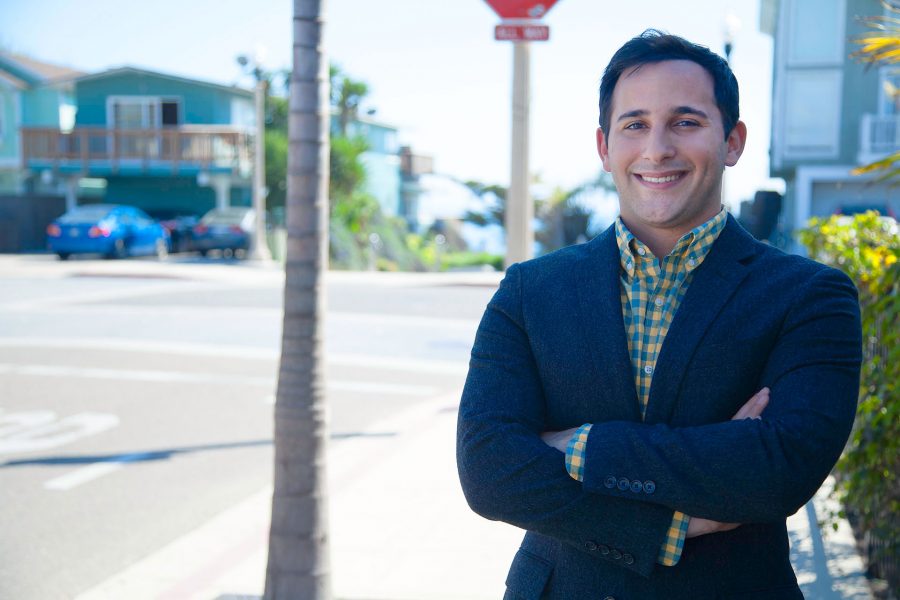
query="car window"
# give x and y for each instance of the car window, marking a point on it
(85, 214)
(224, 217)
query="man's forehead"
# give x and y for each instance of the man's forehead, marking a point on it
(700, 89)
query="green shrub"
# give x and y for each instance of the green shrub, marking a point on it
(867, 248)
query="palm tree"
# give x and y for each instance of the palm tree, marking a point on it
(881, 46)
(298, 563)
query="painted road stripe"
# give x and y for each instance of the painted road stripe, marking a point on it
(398, 363)
(90, 472)
(364, 387)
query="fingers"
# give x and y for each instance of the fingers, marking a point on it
(753, 408)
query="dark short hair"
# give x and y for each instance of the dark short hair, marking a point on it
(655, 46)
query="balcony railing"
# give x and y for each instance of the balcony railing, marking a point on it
(89, 148)
(878, 137)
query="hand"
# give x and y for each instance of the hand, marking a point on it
(559, 439)
(752, 409)
(698, 526)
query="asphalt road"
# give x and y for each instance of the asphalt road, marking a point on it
(136, 397)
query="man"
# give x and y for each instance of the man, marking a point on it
(651, 406)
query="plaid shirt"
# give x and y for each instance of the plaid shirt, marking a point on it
(652, 291)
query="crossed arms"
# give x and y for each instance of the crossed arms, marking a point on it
(739, 471)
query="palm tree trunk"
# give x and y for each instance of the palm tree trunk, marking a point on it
(298, 564)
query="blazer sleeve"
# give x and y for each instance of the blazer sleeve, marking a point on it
(754, 470)
(509, 474)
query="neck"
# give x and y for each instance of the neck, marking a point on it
(659, 242)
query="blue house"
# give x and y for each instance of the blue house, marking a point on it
(152, 140)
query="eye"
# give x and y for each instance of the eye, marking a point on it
(634, 126)
(687, 123)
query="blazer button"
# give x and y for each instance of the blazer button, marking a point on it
(609, 598)
(637, 487)
(615, 554)
(624, 484)
(591, 546)
(610, 482)
(604, 549)
(649, 487)
(628, 559)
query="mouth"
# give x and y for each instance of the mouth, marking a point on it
(660, 178)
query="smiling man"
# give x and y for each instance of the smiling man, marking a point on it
(652, 405)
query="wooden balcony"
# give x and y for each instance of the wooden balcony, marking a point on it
(176, 150)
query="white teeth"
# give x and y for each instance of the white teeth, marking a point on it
(660, 179)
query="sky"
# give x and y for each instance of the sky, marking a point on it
(433, 67)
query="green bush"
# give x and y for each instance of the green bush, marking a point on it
(459, 260)
(867, 248)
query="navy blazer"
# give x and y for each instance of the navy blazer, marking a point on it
(551, 353)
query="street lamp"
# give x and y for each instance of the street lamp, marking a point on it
(259, 248)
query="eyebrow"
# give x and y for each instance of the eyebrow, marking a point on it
(678, 110)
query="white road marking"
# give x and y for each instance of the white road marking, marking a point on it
(204, 378)
(83, 475)
(131, 375)
(399, 363)
(47, 434)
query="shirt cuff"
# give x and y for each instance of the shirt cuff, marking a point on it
(575, 452)
(671, 549)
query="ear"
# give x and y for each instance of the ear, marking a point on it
(603, 150)
(734, 145)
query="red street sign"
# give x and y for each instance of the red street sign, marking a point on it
(522, 33)
(521, 9)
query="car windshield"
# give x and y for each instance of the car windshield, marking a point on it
(85, 214)
(224, 217)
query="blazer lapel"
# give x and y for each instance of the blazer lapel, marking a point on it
(713, 284)
(600, 320)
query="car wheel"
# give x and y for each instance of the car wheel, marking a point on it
(203, 253)
(120, 249)
(63, 255)
(227, 253)
(162, 250)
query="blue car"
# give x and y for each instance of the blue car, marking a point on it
(113, 230)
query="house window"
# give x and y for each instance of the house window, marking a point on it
(816, 33)
(2, 118)
(143, 112)
(889, 92)
(812, 114)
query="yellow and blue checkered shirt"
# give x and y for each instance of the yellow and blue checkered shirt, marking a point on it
(651, 291)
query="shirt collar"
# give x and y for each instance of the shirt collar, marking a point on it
(695, 244)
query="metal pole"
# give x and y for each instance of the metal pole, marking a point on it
(519, 209)
(259, 248)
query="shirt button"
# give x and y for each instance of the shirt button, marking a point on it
(692, 262)
(648, 370)
(641, 251)
(624, 484)
(649, 487)
(629, 265)
(659, 301)
(610, 482)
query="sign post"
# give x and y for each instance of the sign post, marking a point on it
(520, 26)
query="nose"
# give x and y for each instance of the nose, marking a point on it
(659, 145)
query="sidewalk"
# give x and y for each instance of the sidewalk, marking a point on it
(401, 530)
